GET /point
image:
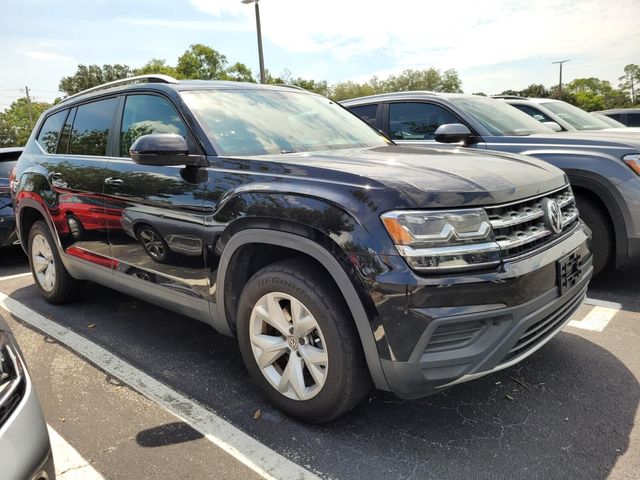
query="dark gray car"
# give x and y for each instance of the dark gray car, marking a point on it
(25, 451)
(603, 166)
(628, 116)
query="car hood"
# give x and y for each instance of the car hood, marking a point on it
(432, 177)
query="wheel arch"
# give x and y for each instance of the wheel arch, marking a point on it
(606, 195)
(305, 247)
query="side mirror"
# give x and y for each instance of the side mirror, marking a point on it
(553, 126)
(164, 149)
(454, 133)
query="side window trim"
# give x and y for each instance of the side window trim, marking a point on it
(191, 138)
(69, 119)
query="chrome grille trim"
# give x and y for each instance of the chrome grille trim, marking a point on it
(519, 227)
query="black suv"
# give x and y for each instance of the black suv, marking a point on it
(338, 259)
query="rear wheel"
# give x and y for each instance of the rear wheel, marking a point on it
(299, 342)
(50, 275)
(597, 219)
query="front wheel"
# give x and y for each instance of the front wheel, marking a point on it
(51, 277)
(299, 342)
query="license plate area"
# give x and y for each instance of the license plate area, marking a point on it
(569, 271)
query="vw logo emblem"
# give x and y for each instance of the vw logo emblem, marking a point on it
(552, 215)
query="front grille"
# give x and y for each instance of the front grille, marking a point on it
(457, 335)
(541, 329)
(520, 228)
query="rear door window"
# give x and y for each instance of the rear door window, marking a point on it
(417, 121)
(50, 131)
(90, 131)
(146, 114)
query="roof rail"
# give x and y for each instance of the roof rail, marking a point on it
(288, 85)
(151, 78)
(510, 97)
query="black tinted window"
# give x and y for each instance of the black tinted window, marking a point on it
(50, 131)
(145, 114)
(366, 112)
(417, 121)
(633, 119)
(534, 113)
(91, 126)
(615, 116)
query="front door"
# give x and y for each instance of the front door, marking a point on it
(157, 242)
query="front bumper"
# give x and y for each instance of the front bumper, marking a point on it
(25, 451)
(460, 338)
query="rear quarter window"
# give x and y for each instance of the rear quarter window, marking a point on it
(50, 131)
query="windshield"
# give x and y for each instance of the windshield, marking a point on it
(260, 122)
(609, 121)
(576, 117)
(499, 118)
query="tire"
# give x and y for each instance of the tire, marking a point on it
(597, 219)
(58, 286)
(343, 380)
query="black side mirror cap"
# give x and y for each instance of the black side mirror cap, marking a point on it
(164, 149)
(454, 133)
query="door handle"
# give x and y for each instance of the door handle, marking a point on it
(113, 182)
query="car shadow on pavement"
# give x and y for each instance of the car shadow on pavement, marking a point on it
(566, 412)
(13, 260)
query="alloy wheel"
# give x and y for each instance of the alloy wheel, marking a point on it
(152, 243)
(288, 346)
(43, 262)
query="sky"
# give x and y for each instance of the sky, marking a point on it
(493, 44)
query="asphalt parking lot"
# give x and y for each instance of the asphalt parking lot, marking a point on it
(568, 411)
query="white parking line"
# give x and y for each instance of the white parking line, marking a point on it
(11, 277)
(258, 457)
(70, 465)
(596, 320)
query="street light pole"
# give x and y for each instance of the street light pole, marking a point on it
(259, 32)
(560, 83)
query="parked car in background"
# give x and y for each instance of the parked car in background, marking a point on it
(25, 450)
(276, 216)
(569, 117)
(628, 116)
(608, 120)
(603, 167)
(8, 159)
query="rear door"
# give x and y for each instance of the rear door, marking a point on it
(8, 159)
(76, 167)
(157, 237)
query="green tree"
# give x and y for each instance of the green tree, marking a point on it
(630, 80)
(88, 76)
(239, 72)
(15, 123)
(157, 65)
(202, 62)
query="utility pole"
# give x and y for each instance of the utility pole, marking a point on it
(26, 90)
(259, 32)
(560, 83)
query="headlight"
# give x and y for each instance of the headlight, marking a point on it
(442, 241)
(11, 376)
(633, 161)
